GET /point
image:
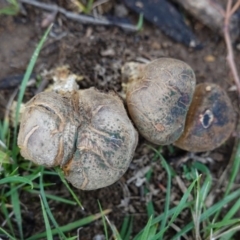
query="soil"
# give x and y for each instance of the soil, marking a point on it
(96, 53)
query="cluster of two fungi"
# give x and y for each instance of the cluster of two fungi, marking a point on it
(89, 135)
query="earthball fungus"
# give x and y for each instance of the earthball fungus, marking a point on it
(87, 133)
(158, 97)
(210, 119)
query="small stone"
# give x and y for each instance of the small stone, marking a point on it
(108, 52)
(120, 10)
(156, 45)
(209, 58)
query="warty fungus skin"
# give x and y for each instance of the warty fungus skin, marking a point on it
(87, 133)
(158, 97)
(210, 119)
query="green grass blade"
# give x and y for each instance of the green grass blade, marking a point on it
(25, 81)
(206, 186)
(59, 171)
(125, 226)
(181, 206)
(147, 229)
(5, 158)
(7, 234)
(232, 211)
(53, 197)
(213, 209)
(30, 177)
(225, 223)
(129, 230)
(17, 209)
(159, 218)
(14, 192)
(197, 208)
(235, 169)
(140, 22)
(114, 230)
(209, 212)
(4, 129)
(13, 9)
(89, 6)
(152, 232)
(16, 179)
(74, 225)
(47, 225)
(6, 214)
(226, 233)
(104, 221)
(228, 236)
(168, 193)
(47, 207)
(8, 11)
(150, 208)
(182, 202)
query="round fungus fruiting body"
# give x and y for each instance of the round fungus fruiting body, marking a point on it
(210, 120)
(44, 135)
(105, 145)
(87, 133)
(158, 97)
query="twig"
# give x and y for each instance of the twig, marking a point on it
(235, 8)
(216, 6)
(230, 56)
(79, 17)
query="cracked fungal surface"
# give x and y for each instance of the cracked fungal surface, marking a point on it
(210, 120)
(158, 97)
(87, 133)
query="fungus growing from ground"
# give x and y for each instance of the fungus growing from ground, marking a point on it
(158, 97)
(85, 132)
(210, 119)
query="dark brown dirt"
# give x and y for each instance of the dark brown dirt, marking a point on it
(97, 53)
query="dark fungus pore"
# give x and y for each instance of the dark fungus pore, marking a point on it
(87, 133)
(210, 120)
(158, 97)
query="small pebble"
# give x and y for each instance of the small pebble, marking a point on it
(209, 58)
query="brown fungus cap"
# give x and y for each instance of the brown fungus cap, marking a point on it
(158, 97)
(210, 119)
